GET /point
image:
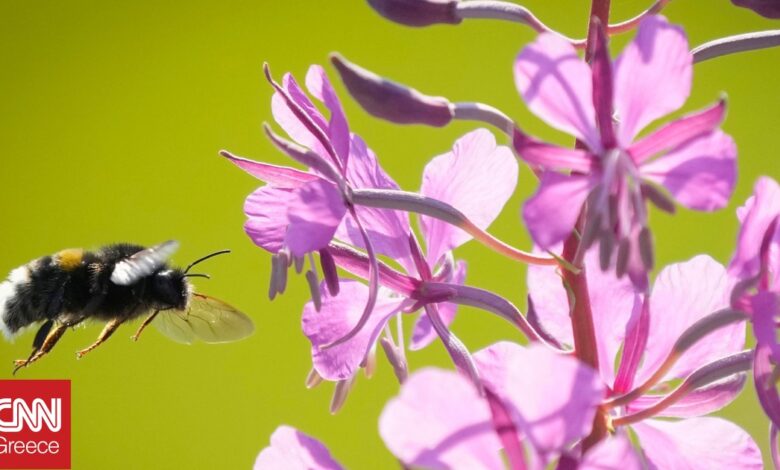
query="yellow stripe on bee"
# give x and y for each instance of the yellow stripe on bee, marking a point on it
(70, 259)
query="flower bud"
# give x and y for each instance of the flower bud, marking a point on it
(389, 100)
(765, 8)
(417, 13)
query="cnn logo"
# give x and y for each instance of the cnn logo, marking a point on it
(35, 424)
(34, 416)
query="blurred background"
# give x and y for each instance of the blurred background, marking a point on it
(111, 118)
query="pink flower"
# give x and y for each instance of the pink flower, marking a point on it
(440, 420)
(634, 337)
(477, 177)
(756, 263)
(303, 211)
(291, 449)
(605, 106)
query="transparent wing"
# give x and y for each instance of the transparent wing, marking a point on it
(207, 319)
(143, 263)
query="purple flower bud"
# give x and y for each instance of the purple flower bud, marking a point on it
(417, 13)
(766, 8)
(388, 100)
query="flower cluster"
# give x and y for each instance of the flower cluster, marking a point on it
(617, 371)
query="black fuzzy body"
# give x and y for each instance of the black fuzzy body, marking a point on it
(73, 292)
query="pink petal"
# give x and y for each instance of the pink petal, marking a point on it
(554, 396)
(652, 76)
(556, 85)
(315, 211)
(266, 211)
(684, 293)
(549, 219)
(277, 176)
(700, 402)
(697, 443)
(758, 213)
(613, 452)
(291, 449)
(291, 123)
(765, 307)
(439, 421)
(337, 316)
(318, 84)
(699, 174)
(614, 304)
(423, 333)
(550, 156)
(678, 132)
(388, 229)
(477, 178)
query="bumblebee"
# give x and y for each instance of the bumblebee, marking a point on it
(114, 284)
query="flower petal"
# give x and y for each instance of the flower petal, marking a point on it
(678, 132)
(697, 443)
(758, 213)
(439, 421)
(423, 333)
(549, 220)
(337, 316)
(556, 85)
(554, 396)
(613, 452)
(319, 86)
(550, 156)
(266, 211)
(315, 211)
(477, 178)
(614, 302)
(278, 176)
(684, 293)
(699, 174)
(388, 229)
(652, 76)
(291, 449)
(700, 402)
(292, 123)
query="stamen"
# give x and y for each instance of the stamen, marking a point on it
(340, 394)
(314, 288)
(329, 271)
(395, 359)
(313, 379)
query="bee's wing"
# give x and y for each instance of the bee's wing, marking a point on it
(207, 319)
(143, 263)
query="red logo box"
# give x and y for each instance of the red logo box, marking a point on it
(34, 423)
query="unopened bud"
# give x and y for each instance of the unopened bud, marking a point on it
(388, 100)
(765, 8)
(417, 13)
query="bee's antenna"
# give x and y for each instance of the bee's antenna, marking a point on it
(200, 260)
(198, 275)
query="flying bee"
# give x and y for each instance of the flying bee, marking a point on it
(114, 284)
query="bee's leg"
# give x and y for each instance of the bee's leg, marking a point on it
(111, 326)
(145, 324)
(51, 339)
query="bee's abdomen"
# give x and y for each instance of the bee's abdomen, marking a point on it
(27, 295)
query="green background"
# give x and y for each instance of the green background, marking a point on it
(111, 116)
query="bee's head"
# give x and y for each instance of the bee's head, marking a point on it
(170, 288)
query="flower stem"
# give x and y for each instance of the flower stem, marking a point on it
(581, 313)
(412, 202)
